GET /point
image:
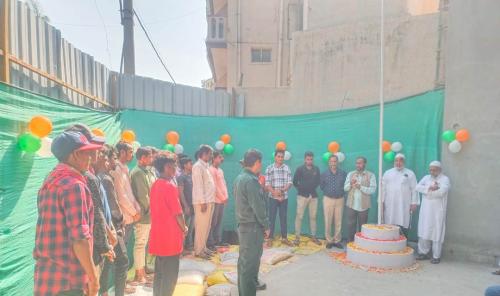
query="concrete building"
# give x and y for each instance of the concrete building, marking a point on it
(472, 96)
(315, 55)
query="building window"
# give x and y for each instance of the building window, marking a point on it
(213, 27)
(261, 55)
(216, 26)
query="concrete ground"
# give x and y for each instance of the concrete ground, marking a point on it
(319, 274)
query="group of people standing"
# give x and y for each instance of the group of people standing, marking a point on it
(257, 206)
(90, 204)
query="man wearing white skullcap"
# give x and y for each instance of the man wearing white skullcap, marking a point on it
(431, 223)
(399, 197)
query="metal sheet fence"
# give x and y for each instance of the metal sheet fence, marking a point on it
(42, 61)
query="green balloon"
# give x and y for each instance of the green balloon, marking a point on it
(448, 136)
(29, 143)
(169, 147)
(389, 156)
(228, 149)
(326, 156)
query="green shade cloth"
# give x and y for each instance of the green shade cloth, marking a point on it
(415, 122)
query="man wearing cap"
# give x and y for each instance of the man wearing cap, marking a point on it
(103, 228)
(431, 223)
(399, 197)
(253, 222)
(64, 230)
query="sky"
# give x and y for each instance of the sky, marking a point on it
(177, 28)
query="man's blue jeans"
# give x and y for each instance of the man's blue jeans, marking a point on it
(281, 208)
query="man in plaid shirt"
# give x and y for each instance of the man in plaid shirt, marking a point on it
(278, 182)
(63, 241)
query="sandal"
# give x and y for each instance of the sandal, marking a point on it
(296, 242)
(286, 242)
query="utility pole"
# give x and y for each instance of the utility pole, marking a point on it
(127, 15)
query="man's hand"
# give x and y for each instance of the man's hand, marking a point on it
(185, 230)
(204, 207)
(137, 217)
(110, 255)
(276, 193)
(353, 182)
(112, 238)
(413, 208)
(93, 286)
(357, 186)
(267, 232)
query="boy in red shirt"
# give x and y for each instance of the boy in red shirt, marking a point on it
(168, 227)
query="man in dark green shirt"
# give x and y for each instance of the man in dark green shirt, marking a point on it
(253, 222)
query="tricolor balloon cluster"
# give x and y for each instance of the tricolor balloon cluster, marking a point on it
(333, 149)
(281, 145)
(129, 137)
(172, 138)
(36, 139)
(390, 149)
(455, 139)
(224, 144)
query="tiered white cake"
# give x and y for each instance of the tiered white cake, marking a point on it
(380, 246)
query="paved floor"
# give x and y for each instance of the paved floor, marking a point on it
(319, 274)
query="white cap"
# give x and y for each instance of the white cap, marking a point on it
(400, 155)
(435, 163)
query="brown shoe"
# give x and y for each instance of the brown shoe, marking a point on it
(296, 242)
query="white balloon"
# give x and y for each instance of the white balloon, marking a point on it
(340, 156)
(136, 145)
(396, 147)
(455, 146)
(178, 149)
(44, 150)
(288, 155)
(219, 145)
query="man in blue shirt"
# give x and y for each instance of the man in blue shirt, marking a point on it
(332, 185)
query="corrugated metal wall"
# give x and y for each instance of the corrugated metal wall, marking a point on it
(37, 43)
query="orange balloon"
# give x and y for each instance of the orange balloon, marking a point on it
(333, 147)
(226, 138)
(128, 136)
(281, 146)
(386, 146)
(98, 132)
(173, 137)
(462, 135)
(40, 126)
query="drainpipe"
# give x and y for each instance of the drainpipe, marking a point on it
(280, 45)
(305, 15)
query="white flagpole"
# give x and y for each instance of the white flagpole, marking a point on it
(381, 116)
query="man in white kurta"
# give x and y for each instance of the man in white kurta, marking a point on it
(431, 223)
(399, 197)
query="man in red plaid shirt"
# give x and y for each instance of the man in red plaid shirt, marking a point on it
(63, 243)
